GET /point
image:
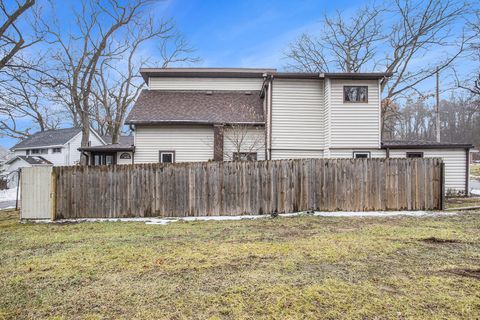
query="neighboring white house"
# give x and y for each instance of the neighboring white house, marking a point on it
(189, 114)
(59, 147)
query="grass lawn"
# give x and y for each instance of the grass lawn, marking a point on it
(284, 268)
(475, 170)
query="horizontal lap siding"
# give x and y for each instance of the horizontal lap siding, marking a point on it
(253, 141)
(157, 83)
(296, 154)
(348, 153)
(455, 164)
(190, 143)
(297, 118)
(354, 124)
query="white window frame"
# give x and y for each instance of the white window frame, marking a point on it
(162, 152)
(368, 153)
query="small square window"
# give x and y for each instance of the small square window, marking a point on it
(355, 94)
(414, 154)
(167, 156)
(361, 154)
(57, 150)
(28, 152)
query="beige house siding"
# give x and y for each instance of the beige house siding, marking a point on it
(191, 143)
(348, 153)
(354, 124)
(296, 154)
(297, 118)
(253, 141)
(455, 164)
(163, 83)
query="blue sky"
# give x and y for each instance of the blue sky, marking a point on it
(244, 33)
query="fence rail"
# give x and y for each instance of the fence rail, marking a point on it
(253, 187)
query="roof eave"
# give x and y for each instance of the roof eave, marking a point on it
(153, 122)
(420, 146)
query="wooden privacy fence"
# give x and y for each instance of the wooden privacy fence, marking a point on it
(253, 187)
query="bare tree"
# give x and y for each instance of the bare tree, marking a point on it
(390, 40)
(244, 141)
(118, 82)
(12, 39)
(79, 54)
(347, 44)
(25, 100)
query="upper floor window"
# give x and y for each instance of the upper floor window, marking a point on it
(357, 94)
(57, 150)
(414, 154)
(39, 151)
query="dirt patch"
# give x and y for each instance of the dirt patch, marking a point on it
(438, 240)
(470, 273)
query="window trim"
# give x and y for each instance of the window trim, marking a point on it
(59, 150)
(236, 156)
(353, 86)
(368, 153)
(408, 154)
(160, 152)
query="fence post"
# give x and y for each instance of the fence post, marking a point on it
(53, 195)
(442, 186)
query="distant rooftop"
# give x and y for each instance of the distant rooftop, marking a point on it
(34, 160)
(48, 138)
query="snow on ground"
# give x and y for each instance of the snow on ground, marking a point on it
(8, 194)
(475, 192)
(163, 221)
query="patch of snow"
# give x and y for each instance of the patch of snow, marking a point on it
(164, 221)
(8, 194)
(475, 192)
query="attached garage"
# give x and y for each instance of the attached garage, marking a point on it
(454, 155)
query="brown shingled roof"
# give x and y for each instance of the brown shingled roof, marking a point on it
(209, 107)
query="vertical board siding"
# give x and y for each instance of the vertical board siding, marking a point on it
(297, 115)
(36, 198)
(354, 125)
(174, 83)
(250, 187)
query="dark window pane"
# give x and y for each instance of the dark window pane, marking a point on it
(167, 157)
(414, 154)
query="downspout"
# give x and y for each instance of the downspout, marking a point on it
(388, 153)
(467, 173)
(269, 106)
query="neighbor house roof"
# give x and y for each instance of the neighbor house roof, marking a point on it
(34, 160)
(48, 138)
(420, 144)
(203, 107)
(125, 143)
(253, 73)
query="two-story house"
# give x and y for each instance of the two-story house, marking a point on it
(202, 114)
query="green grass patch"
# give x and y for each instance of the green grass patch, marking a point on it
(285, 268)
(475, 170)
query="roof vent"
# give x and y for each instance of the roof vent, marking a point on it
(248, 93)
(209, 93)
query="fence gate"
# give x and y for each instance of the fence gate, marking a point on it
(37, 196)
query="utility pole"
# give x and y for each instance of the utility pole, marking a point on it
(437, 109)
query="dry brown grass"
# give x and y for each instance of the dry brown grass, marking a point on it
(284, 268)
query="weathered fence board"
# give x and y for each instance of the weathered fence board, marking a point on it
(254, 187)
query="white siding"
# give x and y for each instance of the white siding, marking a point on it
(348, 153)
(297, 118)
(124, 161)
(36, 199)
(17, 164)
(296, 154)
(455, 164)
(70, 151)
(253, 141)
(190, 143)
(163, 83)
(354, 124)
